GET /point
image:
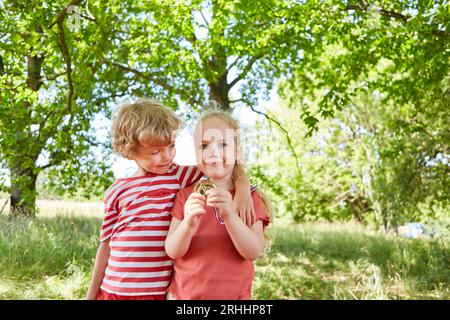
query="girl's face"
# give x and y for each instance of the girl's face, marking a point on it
(215, 148)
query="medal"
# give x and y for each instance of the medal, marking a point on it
(204, 185)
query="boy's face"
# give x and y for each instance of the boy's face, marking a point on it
(215, 148)
(155, 159)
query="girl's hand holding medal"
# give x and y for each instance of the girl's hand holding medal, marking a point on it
(194, 208)
(222, 200)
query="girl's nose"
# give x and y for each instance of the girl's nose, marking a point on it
(213, 151)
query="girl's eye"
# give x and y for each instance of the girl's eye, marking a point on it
(154, 153)
(223, 145)
(203, 146)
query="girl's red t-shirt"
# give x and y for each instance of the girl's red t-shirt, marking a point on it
(212, 269)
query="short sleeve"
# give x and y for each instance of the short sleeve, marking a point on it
(260, 209)
(111, 214)
(188, 175)
(109, 220)
(177, 210)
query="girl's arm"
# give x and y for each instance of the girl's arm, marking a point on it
(181, 231)
(242, 202)
(178, 239)
(248, 241)
(101, 261)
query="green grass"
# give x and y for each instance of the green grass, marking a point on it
(47, 258)
(52, 257)
(346, 261)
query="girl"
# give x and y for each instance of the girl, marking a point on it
(212, 248)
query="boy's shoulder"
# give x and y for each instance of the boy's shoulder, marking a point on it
(123, 184)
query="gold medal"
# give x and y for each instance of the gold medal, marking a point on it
(204, 185)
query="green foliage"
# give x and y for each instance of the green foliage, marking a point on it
(49, 95)
(62, 63)
(189, 51)
(380, 71)
(398, 48)
(370, 163)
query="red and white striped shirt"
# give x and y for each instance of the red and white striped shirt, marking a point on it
(137, 221)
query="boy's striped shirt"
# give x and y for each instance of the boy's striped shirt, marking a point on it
(136, 221)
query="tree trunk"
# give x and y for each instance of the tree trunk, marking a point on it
(218, 92)
(23, 169)
(23, 192)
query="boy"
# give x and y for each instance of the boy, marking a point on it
(131, 262)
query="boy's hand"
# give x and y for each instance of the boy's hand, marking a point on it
(222, 200)
(194, 208)
(243, 205)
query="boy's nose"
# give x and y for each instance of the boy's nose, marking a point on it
(166, 154)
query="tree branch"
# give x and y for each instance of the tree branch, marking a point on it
(364, 7)
(233, 64)
(279, 125)
(148, 77)
(65, 51)
(50, 164)
(92, 19)
(57, 157)
(95, 143)
(246, 70)
(204, 19)
(391, 14)
(2, 66)
(238, 100)
(55, 76)
(192, 38)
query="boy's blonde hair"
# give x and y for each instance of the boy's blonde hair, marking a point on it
(143, 121)
(214, 111)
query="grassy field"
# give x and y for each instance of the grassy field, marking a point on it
(51, 258)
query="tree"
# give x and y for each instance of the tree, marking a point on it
(407, 42)
(62, 62)
(47, 80)
(387, 66)
(367, 163)
(192, 51)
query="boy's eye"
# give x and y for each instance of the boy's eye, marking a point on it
(223, 145)
(203, 146)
